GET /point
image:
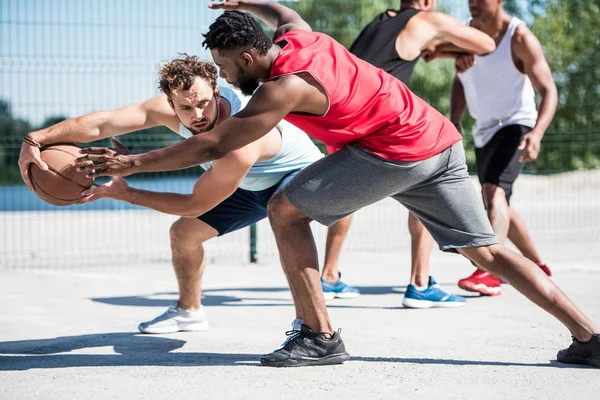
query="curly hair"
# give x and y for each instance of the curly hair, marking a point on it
(237, 30)
(180, 73)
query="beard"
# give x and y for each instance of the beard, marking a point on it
(196, 131)
(247, 84)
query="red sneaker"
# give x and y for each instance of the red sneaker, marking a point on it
(544, 268)
(481, 282)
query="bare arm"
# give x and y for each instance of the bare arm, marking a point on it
(278, 17)
(99, 125)
(468, 39)
(96, 126)
(530, 55)
(458, 103)
(213, 187)
(269, 105)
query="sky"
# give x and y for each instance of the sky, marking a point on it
(72, 57)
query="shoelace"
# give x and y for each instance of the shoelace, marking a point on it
(574, 347)
(169, 310)
(292, 338)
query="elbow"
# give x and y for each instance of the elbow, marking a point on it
(488, 46)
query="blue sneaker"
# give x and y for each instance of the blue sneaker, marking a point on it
(340, 290)
(433, 296)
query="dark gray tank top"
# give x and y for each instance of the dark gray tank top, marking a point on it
(376, 44)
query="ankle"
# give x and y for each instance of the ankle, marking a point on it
(331, 277)
(189, 306)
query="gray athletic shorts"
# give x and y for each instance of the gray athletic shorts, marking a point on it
(438, 191)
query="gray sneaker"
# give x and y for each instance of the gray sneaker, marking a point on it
(296, 326)
(176, 319)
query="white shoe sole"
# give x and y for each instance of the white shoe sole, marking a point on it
(196, 327)
(328, 296)
(412, 303)
(344, 295)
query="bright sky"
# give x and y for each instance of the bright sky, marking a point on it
(72, 57)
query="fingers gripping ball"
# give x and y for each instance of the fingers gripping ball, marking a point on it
(61, 184)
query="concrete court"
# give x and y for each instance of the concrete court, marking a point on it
(71, 334)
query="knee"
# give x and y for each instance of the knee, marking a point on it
(281, 211)
(483, 256)
(180, 235)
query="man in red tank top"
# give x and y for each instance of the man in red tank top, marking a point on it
(393, 145)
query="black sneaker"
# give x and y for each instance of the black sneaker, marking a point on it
(307, 348)
(586, 353)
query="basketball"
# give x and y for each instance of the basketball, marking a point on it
(61, 184)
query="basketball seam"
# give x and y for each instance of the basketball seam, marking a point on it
(66, 177)
(55, 197)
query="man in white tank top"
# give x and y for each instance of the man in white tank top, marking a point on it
(232, 194)
(498, 90)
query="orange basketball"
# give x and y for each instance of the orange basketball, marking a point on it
(61, 185)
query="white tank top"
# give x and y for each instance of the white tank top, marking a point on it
(297, 150)
(497, 93)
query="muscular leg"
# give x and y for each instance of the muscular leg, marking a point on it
(528, 279)
(519, 235)
(336, 234)
(298, 251)
(297, 306)
(421, 244)
(187, 237)
(494, 199)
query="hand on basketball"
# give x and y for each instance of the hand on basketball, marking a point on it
(531, 143)
(30, 154)
(227, 5)
(464, 62)
(115, 189)
(104, 161)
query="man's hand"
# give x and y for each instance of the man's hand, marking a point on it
(30, 154)
(227, 5)
(115, 189)
(104, 161)
(531, 143)
(464, 62)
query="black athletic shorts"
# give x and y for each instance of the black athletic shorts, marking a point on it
(498, 161)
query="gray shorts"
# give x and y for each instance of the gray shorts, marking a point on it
(438, 191)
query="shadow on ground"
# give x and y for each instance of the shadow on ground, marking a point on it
(133, 350)
(217, 297)
(143, 350)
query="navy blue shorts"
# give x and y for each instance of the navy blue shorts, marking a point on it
(242, 208)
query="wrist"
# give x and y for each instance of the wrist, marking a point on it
(536, 133)
(30, 140)
(135, 163)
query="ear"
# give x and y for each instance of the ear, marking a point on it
(247, 59)
(217, 94)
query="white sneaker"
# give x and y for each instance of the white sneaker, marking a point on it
(176, 319)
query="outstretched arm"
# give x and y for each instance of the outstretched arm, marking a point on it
(213, 187)
(278, 17)
(269, 105)
(458, 38)
(96, 126)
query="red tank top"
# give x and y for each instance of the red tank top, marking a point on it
(367, 106)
